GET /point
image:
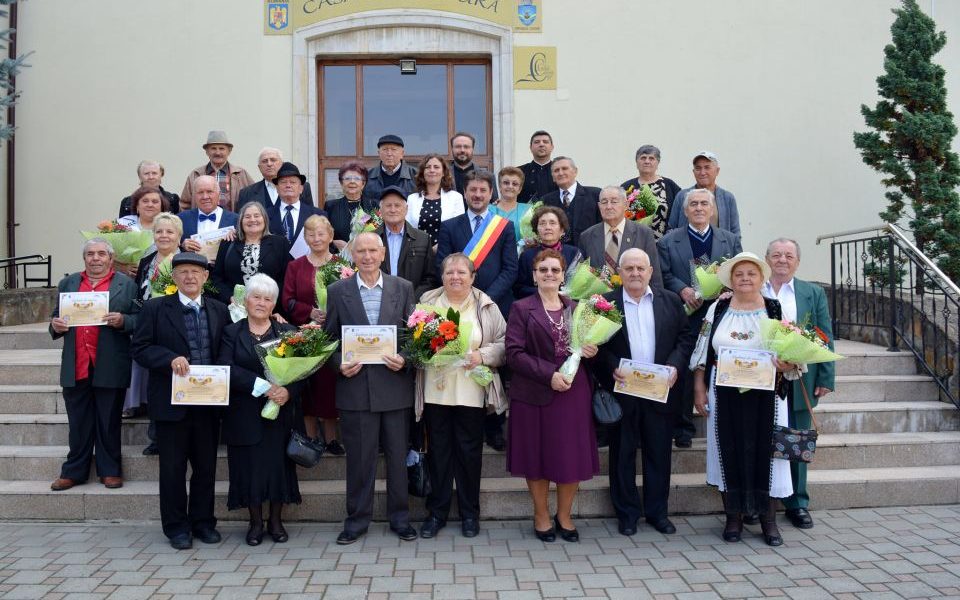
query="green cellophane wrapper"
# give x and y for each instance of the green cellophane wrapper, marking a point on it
(708, 284)
(283, 371)
(585, 283)
(790, 346)
(586, 327)
(320, 290)
(128, 246)
(237, 307)
(526, 229)
(647, 220)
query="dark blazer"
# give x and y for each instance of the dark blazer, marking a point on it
(189, 220)
(812, 307)
(338, 211)
(113, 345)
(671, 187)
(524, 286)
(274, 256)
(276, 220)
(371, 191)
(498, 272)
(530, 351)
(673, 346)
(416, 263)
(160, 337)
(242, 424)
(257, 192)
(635, 235)
(583, 212)
(375, 388)
(676, 255)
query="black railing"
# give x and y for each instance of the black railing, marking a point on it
(22, 271)
(885, 290)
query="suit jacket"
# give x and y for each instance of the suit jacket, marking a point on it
(160, 337)
(374, 186)
(338, 211)
(276, 219)
(498, 272)
(416, 263)
(728, 215)
(375, 388)
(239, 179)
(257, 192)
(583, 212)
(274, 256)
(676, 255)
(673, 346)
(812, 307)
(189, 218)
(531, 354)
(113, 345)
(634, 235)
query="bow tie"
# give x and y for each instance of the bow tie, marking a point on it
(211, 217)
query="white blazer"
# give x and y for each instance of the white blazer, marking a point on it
(451, 205)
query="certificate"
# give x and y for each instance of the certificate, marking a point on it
(644, 380)
(367, 344)
(203, 385)
(210, 241)
(84, 308)
(741, 368)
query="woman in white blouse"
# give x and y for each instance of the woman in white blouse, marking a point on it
(435, 199)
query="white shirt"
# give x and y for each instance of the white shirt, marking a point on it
(702, 232)
(361, 285)
(641, 331)
(787, 298)
(572, 190)
(294, 214)
(272, 191)
(606, 233)
(184, 300)
(473, 219)
(207, 225)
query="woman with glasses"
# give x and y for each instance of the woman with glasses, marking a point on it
(549, 224)
(353, 178)
(510, 182)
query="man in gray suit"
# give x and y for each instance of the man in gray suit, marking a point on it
(706, 167)
(604, 242)
(374, 400)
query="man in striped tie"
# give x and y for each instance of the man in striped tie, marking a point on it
(289, 214)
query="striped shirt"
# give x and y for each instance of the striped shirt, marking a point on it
(371, 297)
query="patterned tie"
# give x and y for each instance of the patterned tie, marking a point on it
(196, 312)
(566, 198)
(612, 253)
(288, 223)
(476, 222)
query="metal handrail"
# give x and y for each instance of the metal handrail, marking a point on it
(12, 264)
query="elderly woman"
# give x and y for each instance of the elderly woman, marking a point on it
(340, 211)
(551, 434)
(300, 303)
(145, 204)
(550, 224)
(740, 423)
(256, 447)
(454, 404)
(510, 182)
(665, 189)
(255, 250)
(436, 199)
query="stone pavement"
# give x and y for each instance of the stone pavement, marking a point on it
(911, 552)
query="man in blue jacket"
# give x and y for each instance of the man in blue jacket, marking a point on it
(706, 167)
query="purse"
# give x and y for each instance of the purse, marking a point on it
(418, 478)
(797, 445)
(302, 450)
(606, 409)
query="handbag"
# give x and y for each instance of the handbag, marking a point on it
(606, 409)
(797, 445)
(302, 450)
(418, 478)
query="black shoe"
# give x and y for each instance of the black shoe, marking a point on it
(771, 533)
(496, 441)
(255, 534)
(545, 536)
(406, 534)
(733, 531)
(279, 536)
(751, 518)
(470, 527)
(431, 527)
(151, 450)
(348, 537)
(208, 535)
(336, 448)
(181, 541)
(663, 525)
(683, 442)
(568, 535)
(627, 528)
(800, 518)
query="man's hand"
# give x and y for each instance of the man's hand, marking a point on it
(350, 369)
(59, 325)
(689, 296)
(114, 319)
(180, 365)
(821, 391)
(618, 376)
(394, 362)
(318, 316)
(191, 245)
(673, 375)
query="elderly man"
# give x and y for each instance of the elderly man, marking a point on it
(207, 216)
(656, 332)
(577, 200)
(264, 191)
(461, 149)
(391, 170)
(230, 179)
(802, 302)
(374, 400)
(537, 176)
(605, 242)
(409, 254)
(95, 369)
(174, 332)
(706, 167)
(698, 243)
(289, 214)
(150, 173)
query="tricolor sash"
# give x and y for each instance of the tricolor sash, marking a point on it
(484, 238)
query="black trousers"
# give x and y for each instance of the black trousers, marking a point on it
(454, 453)
(94, 417)
(651, 431)
(193, 439)
(683, 427)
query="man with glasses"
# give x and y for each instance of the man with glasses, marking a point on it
(392, 170)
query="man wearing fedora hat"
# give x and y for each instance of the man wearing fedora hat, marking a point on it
(391, 170)
(230, 178)
(289, 214)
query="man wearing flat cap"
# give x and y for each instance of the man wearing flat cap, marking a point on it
(230, 178)
(174, 332)
(290, 213)
(391, 170)
(409, 253)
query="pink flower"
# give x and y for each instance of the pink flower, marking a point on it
(601, 303)
(417, 317)
(346, 273)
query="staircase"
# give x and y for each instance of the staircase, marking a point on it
(885, 440)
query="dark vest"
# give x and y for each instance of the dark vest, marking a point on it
(198, 338)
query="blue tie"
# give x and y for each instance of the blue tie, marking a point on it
(476, 223)
(193, 306)
(288, 223)
(211, 217)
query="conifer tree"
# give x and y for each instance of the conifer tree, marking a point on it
(9, 67)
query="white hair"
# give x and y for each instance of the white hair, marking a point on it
(269, 150)
(709, 194)
(783, 240)
(630, 253)
(95, 242)
(263, 284)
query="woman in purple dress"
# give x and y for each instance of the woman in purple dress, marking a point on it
(551, 435)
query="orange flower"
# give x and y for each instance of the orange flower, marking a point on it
(448, 329)
(629, 214)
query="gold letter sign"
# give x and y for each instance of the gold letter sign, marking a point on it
(534, 67)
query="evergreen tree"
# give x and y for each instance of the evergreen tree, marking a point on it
(911, 137)
(9, 67)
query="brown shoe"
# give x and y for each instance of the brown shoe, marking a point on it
(112, 482)
(61, 484)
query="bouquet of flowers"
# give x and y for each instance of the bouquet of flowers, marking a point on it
(162, 284)
(237, 306)
(439, 340)
(527, 234)
(128, 245)
(704, 281)
(795, 343)
(594, 321)
(642, 204)
(585, 281)
(295, 356)
(337, 268)
(361, 222)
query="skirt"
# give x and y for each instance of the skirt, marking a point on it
(136, 395)
(262, 472)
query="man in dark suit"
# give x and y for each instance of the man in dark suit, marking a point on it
(95, 369)
(409, 254)
(654, 331)
(172, 333)
(265, 191)
(577, 200)
(207, 216)
(289, 214)
(392, 170)
(537, 176)
(374, 400)
(461, 149)
(605, 242)
(150, 173)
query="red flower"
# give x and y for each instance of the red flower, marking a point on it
(437, 344)
(821, 335)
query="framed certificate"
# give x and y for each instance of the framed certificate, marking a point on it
(203, 385)
(210, 241)
(644, 380)
(84, 308)
(742, 368)
(367, 344)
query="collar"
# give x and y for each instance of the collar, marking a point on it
(269, 184)
(627, 299)
(482, 215)
(535, 161)
(106, 278)
(362, 285)
(384, 169)
(788, 286)
(211, 169)
(184, 300)
(217, 211)
(469, 167)
(572, 189)
(295, 205)
(697, 231)
(619, 227)
(403, 229)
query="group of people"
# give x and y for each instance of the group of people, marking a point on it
(451, 238)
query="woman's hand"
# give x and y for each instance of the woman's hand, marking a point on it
(279, 395)
(784, 367)
(588, 350)
(318, 316)
(276, 317)
(474, 359)
(559, 383)
(699, 394)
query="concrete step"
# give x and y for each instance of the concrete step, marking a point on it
(503, 498)
(834, 451)
(30, 367)
(31, 399)
(873, 360)
(881, 388)
(30, 336)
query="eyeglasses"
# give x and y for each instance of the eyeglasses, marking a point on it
(545, 270)
(352, 178)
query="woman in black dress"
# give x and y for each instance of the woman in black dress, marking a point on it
(340, 211)
(254, 251)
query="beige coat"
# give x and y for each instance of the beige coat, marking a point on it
(239, 179)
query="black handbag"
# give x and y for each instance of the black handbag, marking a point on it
(303, 451)
(797, 445)
(418, 478)
(606, 409)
